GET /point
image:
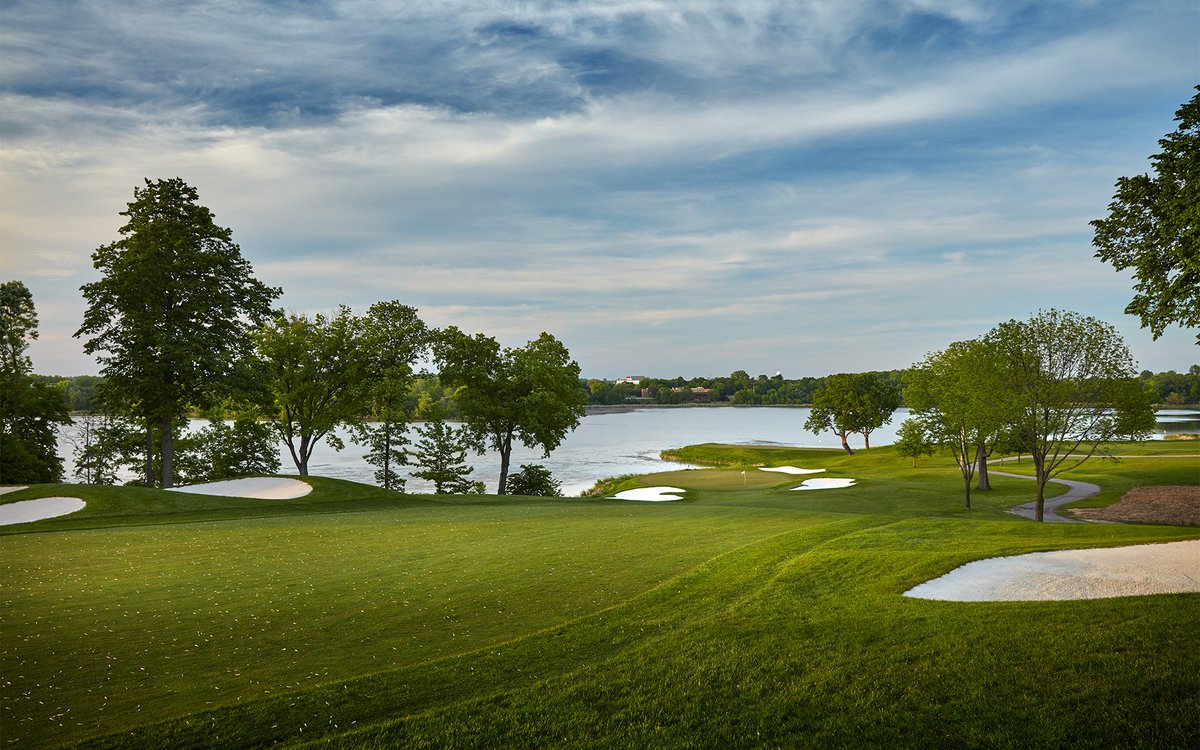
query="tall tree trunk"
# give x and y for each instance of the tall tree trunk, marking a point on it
(866, 440)
(168, 472)
(149, 467)
(502, 486)
(1039, 473)
(845, 445)
(967, 490)
(981, 456)
(387, 455)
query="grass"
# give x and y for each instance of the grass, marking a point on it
(744, 615)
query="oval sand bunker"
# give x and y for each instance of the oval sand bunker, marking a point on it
(1172, 568)
(27, 511)
(258, 488)
(824, 483)
(650, 494)
(790, 470)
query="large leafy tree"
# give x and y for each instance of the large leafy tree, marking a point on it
(1070, 386)
(1153, 227)
(30, 410)
(171, 316)
(956, 397)
(393, 338)
(317, 371)
(530, 394)
(853, 403)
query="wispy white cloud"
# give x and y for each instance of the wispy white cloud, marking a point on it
(855, 181)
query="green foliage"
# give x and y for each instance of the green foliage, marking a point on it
(958, 400)
(440, 454)
(222, 451)
(103, 445)
(534, 480)
(531, 394)
(859, 402)
(387, 444)
(30, 410)
(1153, 227)
(913, 440)
(317, 370)
(1069, 386)
(170, 318)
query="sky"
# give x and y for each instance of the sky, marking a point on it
(670, 188)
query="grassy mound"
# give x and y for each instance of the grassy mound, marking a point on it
(743, 615)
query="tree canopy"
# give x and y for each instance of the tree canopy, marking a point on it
(956, 398)
(530, 394)
(1070, 385)
(1153, 227)
(853, 403)
(171, 316)
(30, 410)
(316, 370)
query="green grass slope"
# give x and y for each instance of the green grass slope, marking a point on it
(745, 615)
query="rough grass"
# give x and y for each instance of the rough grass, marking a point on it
(744, 615)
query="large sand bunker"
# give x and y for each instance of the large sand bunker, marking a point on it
(1171, 568)
(650, 494)
(259, 488)
(27, 511)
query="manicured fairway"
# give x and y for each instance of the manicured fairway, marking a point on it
(743, 615)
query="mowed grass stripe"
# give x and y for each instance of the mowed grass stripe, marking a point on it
(826, 653)
(585, 644)
(114, 625)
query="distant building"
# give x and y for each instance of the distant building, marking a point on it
(632, 379)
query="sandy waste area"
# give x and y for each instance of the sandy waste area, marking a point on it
(1170, 568)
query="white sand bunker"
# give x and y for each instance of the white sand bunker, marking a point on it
(790, 470)
(27, 511)
(1171, 568)
(650, 494)
(259, 488)
(824, 483)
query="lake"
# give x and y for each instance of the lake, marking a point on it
(612, 443)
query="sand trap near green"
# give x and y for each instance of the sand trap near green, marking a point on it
(824, 483)
(259, 488)
(790, 470)
(650, 494)
(27, 511)
(1171, 568)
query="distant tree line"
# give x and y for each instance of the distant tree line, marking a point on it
(1167, 388)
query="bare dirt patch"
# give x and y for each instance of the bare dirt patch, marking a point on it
(1177, 505)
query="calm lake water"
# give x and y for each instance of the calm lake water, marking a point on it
(609, 444)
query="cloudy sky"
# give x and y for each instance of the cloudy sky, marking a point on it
(676, 187)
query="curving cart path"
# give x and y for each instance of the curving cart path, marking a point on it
(1076, 491)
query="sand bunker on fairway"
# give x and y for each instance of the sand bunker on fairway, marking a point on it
(26, 511)
(824, 483)
(259, 488)
(650, 494)
(790, 470)
(1171, 568)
